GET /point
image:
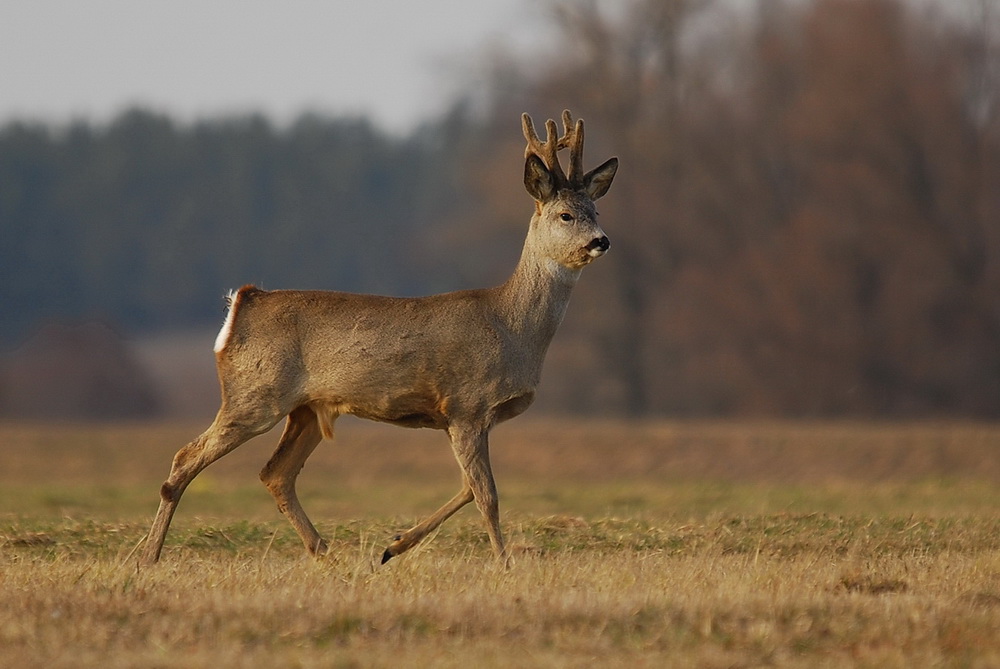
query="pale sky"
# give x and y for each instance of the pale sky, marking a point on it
(399, 61)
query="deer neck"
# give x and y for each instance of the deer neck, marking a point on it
(534, 299)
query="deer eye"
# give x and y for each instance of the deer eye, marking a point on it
(566, 217)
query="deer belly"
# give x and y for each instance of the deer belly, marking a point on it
(408, 410)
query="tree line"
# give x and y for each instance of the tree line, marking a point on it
(145, 221)
(806, 222)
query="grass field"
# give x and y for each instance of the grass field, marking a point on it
(651, 544)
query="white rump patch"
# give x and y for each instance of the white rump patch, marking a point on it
(227, 325)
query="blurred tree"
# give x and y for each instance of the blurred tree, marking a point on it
(75, 372)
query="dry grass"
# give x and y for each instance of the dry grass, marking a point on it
(650, 545)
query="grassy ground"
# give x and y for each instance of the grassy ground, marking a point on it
(657, 544)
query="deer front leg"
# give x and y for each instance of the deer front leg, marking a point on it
(471, 448)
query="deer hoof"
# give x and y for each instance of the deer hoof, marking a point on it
(389, 554)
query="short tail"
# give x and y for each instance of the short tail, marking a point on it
(233, 301)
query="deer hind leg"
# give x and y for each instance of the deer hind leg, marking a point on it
(225, 434)
(415, 534)
(472, 452)
(301, 436)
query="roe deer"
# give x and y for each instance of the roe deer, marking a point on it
(460, 362)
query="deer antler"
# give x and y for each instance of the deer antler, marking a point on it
(547, 151)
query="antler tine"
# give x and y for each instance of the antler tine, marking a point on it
(573, 139)
(567, 119)
(529, 134)
(552, 146)
(535, 145)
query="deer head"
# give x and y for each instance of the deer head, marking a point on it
(565, 221)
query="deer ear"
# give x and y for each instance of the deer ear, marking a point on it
(538, 181)
(597, 181)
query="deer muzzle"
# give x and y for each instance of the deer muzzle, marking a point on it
(598, 246)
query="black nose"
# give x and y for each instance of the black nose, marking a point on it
(602, 243)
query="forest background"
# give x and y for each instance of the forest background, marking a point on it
(806, 222)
